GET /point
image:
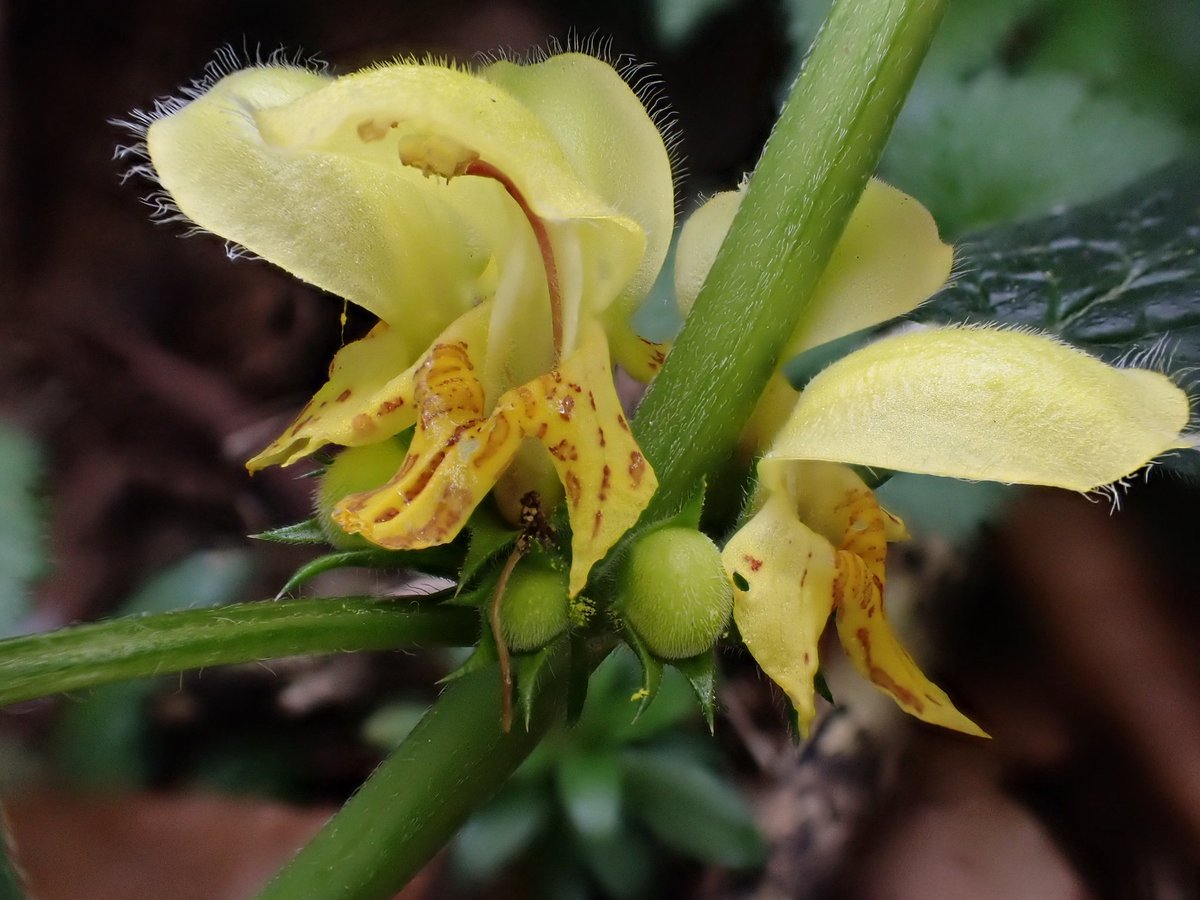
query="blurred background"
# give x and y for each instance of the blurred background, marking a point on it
(138, 371)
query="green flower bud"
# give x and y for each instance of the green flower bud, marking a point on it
(356, 469)
(675, 593)
(534, 608)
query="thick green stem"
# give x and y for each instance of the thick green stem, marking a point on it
(141, 646)
(824, 147)
(454, 760)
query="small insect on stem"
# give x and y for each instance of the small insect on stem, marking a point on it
(534, 527)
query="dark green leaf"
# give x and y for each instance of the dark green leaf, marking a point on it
(499, 831)
(821, 686)
(623, 862)
(11, 887)
(688, 807)
(306, 532)
(676, 20)
(1119, 278)
(579, 678)
(943, 507)
(998, 148)
(1145, 52)
(673, 705)
(589, 787)
(388, 726)
(98, 740)
(207, 578)
(701, 673)
(482, 656)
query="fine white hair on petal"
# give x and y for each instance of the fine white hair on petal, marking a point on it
(1159, 356)
(225, 61)
(642, 77)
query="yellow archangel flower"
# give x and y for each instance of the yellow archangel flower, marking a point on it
(972, 403)
(502, 223)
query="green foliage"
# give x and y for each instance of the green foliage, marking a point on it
(490, 536)
(1025, 106)
(22, 547)
(999, 148)
(588, 808)
(10, 879)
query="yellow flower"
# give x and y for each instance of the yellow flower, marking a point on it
(502, 223)
(972, 403)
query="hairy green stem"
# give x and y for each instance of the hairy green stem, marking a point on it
(825, 145)
(139, 646)
(454, 760)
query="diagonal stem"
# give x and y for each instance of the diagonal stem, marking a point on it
(825, 145)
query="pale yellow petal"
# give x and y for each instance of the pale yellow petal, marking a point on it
(835, 503)
(447, 122)
(699, 240)
(610, 140)
(887, 261)
(377, 236)
(577, 416)
(454, 459)
(458, 454)
(365, 399)
(618, 152)
(873, 647)
(789, 573)
(986, 404)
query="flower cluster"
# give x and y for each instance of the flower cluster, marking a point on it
(504, 223)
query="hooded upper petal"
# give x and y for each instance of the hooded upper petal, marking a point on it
(448, 122)
(986, 404)
(328, 179)
(377, 236)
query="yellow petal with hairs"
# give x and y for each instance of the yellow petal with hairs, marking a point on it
(450, 123)
(364, 399)
(613, 146)
(379, 236)
(986, 404)
(458, 453)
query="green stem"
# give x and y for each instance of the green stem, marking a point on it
(139, 646)
(454, 760)
(825, 145)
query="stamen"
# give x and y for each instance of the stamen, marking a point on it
(485, 169)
